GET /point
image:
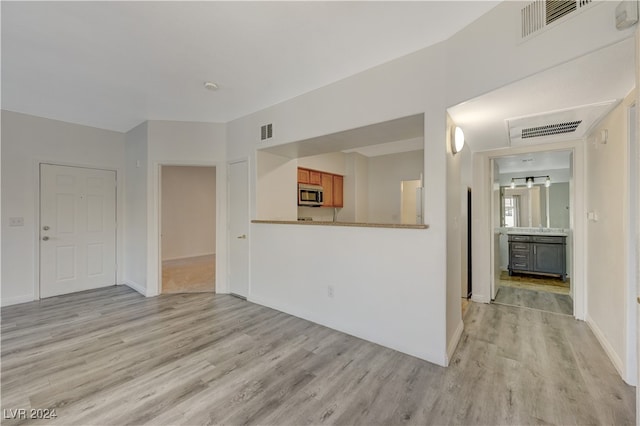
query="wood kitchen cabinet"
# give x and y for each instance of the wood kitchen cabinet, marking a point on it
(303, 176)
(311, 177)
(338, 188)
(327, 189)
(332, 185)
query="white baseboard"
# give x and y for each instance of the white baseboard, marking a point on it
(8, 301)
(480, 298)
(137, 287)
(189, 256)
(453, 343)
(611, 353)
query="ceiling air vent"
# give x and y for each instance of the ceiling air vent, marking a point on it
(538, 14)
(266, 131)
(556, 9)
(532, 16)
(550, 129)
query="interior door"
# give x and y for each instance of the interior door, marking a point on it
(238, 189)
(77, 229)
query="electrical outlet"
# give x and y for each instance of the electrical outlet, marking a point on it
(16, 221)
(330, 291)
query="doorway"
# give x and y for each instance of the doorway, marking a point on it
(77, 229)
(188, 228)
(532, 231)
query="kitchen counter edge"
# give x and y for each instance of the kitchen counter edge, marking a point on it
(351, 224)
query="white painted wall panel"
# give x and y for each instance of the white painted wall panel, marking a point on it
(26, 140)
(381, 291)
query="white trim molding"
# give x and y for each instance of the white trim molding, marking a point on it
(453, 343)
(137, 287)
(7, 301)
(611, 353)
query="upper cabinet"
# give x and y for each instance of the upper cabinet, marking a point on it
(311, 177)
(332, 185)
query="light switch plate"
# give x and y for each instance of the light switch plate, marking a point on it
(16, 221)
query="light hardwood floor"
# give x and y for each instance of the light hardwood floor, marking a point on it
(191, 275)
(111, 356)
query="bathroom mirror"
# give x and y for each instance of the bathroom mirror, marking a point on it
(535, 205)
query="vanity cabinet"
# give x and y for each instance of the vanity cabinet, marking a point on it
(538, 254)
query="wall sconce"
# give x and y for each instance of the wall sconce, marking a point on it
(457, 140)
(530, 180)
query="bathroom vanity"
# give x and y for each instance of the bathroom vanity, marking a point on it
(540, 254)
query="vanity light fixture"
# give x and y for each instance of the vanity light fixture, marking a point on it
(457, 140)
(530, 180)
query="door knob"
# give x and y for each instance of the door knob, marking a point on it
(46, 228)
(242, 237)
(45, 238)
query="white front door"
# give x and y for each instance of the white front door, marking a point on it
(77, 229)
(238, 228)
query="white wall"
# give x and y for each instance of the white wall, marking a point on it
(384, 295)
(26, 141)
(559, 213)
(135, 214)
(333, 162)
(386, 173)
(357, 184)
(188, 211)
(157, 143)
(489, 52)
(411, 272)
(277, 191)
(455, 259)
(607, 198)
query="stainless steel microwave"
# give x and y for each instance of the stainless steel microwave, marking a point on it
(309, 195)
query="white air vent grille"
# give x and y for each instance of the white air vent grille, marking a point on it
(540, 13)
(532, 17)
(556, 9)
(550, 129)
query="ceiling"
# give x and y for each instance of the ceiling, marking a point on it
(393, 136)
(114, 65)
(534, 162)
(581, 89)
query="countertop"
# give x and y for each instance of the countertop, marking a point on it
(540, 233)
(351, 224)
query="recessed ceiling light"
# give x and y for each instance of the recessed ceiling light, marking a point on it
(210, 85)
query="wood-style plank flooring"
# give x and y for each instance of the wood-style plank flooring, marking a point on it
(535, 299)
(190, 275)
(538, 283)
(111, 356)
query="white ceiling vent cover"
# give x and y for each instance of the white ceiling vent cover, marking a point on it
(555, 126)
(550, 129)
(537, 15)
